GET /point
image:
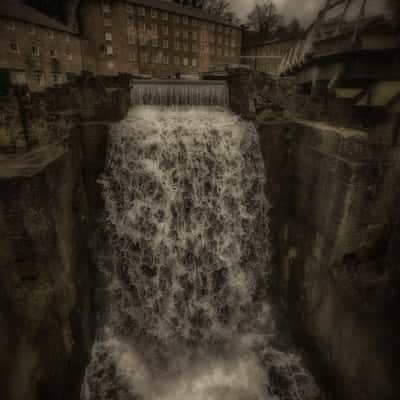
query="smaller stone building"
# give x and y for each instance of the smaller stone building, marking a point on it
(266, 57)
(35, 49)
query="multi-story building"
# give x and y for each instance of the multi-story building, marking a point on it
(154, 37)
(35, 49)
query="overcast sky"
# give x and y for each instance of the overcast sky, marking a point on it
(304, 10)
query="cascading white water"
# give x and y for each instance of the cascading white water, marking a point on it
(185, 258)
(186, 93)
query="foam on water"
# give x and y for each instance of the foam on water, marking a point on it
(185, 257)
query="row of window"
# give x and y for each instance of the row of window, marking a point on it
(19, 77)
(109, 51)
(185, 20)
(32, 30)
(142, 12)
(145, 58)
(14, 48)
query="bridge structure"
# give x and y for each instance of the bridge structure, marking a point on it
(348, 53)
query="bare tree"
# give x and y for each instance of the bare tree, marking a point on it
(265, 19)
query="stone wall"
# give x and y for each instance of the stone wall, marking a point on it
(52, 151)
(334, 188)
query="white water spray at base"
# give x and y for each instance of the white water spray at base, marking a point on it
(185, 257)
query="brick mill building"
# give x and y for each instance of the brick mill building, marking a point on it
(36, 50)
(149, 37)
(154, 37)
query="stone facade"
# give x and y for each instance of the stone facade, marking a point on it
(35, 54)
(129, 37)
(333, 181)
(53, 147)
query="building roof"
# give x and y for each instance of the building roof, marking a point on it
(175, 8)
(22, 12)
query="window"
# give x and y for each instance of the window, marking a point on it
(39, 78)
(32, 29)
(14, 47)
(165, 60)
(132, 56)
(194, 22)
(154, 28)
(194, 62)
(108, 36)
(194, 48)
(68, 55)
(219, 39)
(164, 16)
(20, 77)
(110, 65)
(155, 59)
(185, 61)
(212, 38)
(185, 20)
(185, 46)
(109, 50)
(154, 42)
(176, 19)
(10, 24)
(142, 26)
(232, 53)
(35, 51)
(67, 37)
(226, 52)
(185, 34)
(107, 22)
(142, 11)
(142, 40)
(165, 29)
(106, 7)
(131, 23)
(227, 31)
(153, 13)
(53, 53)
(177, 60)
(50, 34)
(219, 52)
(129, 8)
(194, 35)
(131, 38)
(176, 33)
(57, 79)
(176, 45)
(219, 28)
(226, 41)
(144, 58)
(165, 44)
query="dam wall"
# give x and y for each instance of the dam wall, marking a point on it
(53, 149)
(333, 183)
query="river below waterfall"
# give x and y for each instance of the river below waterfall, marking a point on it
(183, 259)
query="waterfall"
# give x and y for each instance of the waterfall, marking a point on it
(184, 255)
(187, 93)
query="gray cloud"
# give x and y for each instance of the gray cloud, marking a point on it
(304, 10)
